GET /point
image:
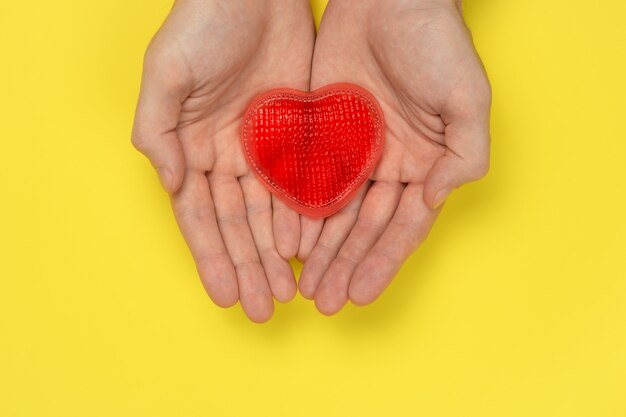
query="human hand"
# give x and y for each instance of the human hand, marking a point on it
(200, 72)
(417, 58)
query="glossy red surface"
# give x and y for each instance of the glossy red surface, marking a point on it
(314, 150)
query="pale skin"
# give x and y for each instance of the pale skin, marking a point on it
(202, 68)
(211, 57)
(417, 58)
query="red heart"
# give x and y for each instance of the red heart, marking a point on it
(314, 150)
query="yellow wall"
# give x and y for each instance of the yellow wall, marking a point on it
(515, 306)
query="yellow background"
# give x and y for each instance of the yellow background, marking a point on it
(515, 306)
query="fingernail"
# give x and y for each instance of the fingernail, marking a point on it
(441, 197)
(166, 178)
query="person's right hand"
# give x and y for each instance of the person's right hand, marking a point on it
(201, 70)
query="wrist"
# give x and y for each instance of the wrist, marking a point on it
(405, 3)
(285, 5)
(386, 7)
(282, 8)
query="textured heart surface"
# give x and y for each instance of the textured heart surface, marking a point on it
(314, 150)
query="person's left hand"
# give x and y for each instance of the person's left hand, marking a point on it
(417, 58)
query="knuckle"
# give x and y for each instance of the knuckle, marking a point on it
(392, 257)
(479, 93)
(152, 53)
(217, 261)
(371, 224)
(325, 248)
(486, 89)
(235, 219)
(258, 209)
(250, 265)
(481, 169)
(194, 215)
(138, 140)
(349, 256)
(164, 62)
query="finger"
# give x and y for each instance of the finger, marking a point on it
(467, 140)
(195, 214)
(286, 229)
(156, 119)
(336, 229)
(310, 230)
(254, 291)
(408, 227)
(377, 210)
(259, 212)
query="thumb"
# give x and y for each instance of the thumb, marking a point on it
(466, 159)
(154, 130)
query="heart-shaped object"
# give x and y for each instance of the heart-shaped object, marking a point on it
(314, 150)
